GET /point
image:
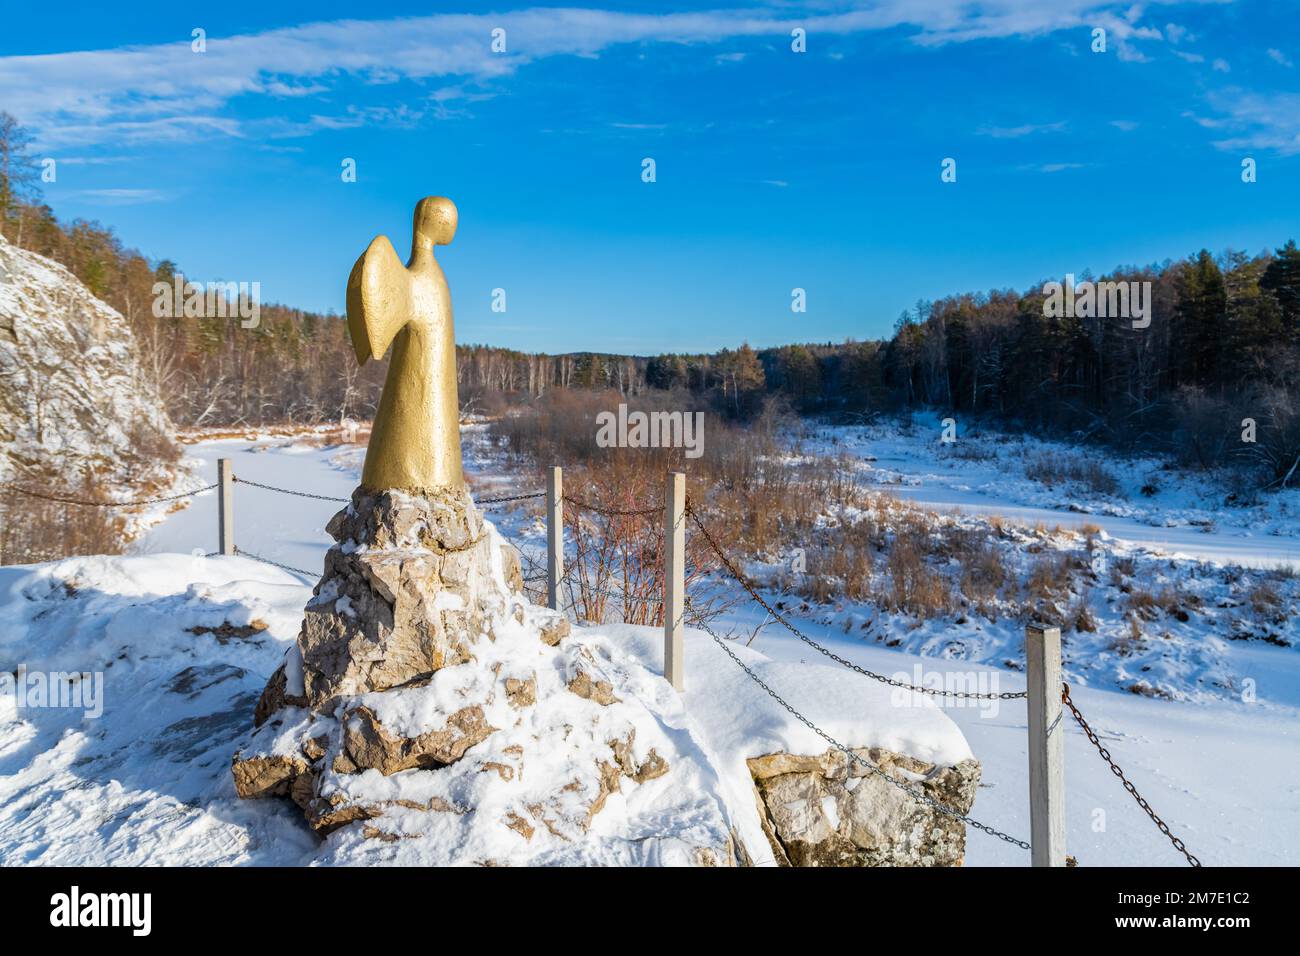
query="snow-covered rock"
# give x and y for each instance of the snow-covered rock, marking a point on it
(427, 699)
(622, 769)
(74, 399)
(829, 810)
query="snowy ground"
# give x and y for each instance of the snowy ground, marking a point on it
(983, 472)
(154, 786)
(136, 769)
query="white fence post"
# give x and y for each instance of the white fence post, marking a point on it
(554, 536)
(225, 507)
(674, 576)
(1046, 746)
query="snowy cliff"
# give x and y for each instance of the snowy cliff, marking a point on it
(75, 403)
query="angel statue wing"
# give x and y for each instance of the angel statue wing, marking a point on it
(379, 300)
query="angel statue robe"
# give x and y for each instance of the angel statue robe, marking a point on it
(415, 441)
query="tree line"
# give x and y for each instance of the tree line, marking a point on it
(1213, 375)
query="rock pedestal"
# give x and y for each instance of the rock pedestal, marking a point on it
(429, 714)
(412, 587)
(428, 698)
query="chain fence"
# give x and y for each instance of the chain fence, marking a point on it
(309, 575)
(752, 590)
(288, 491)
(915, 792)
(69, 500)
(613, 512)
(700, 621)
(1115, 769)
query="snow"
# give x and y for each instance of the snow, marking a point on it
(150, 782)
(983, 473)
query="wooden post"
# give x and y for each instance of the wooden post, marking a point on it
(674, 576)
(225, 507)
(554, 536)
(1046, 746)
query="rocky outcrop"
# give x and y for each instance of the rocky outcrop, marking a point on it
(828, 810)
(427, 702)
(75, 402)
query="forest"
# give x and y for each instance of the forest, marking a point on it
(1213, 379)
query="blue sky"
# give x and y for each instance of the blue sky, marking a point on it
(775, 169)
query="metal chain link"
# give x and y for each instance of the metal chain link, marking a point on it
(1114, 768)
(753, 592)
(107, 504)
(735, 572)
(498, 501)
(287, 491)
(310, 575)
(613, 512)
(915, 792)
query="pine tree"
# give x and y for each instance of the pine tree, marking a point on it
(1282, 280)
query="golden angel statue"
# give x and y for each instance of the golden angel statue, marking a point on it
(415, 442)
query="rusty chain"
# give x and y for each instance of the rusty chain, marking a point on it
(613, 512)
(753, 592)
(67, 500)
(276, 564)
(916, 793)
(305, 494)
(288, 491)
(1114, 768)
(498, 501)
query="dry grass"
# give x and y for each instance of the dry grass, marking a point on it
(1050, 578)
(831, 537)
(915, 587)
(1080, 618)
(1058, 468)
(33, 530)
(1148, 605)
(1131, 643)
(1266, 603)
(319, 436)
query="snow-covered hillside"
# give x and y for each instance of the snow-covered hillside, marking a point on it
(1027, 480)
(151, 783)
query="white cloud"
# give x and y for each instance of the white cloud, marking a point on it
(1277, 56)
(1015, 132)
(1189, 57)
(1259, 121)
(1220, 65)
(1126, 125)
(1204, 121)
(118, 197)
(112, 95)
